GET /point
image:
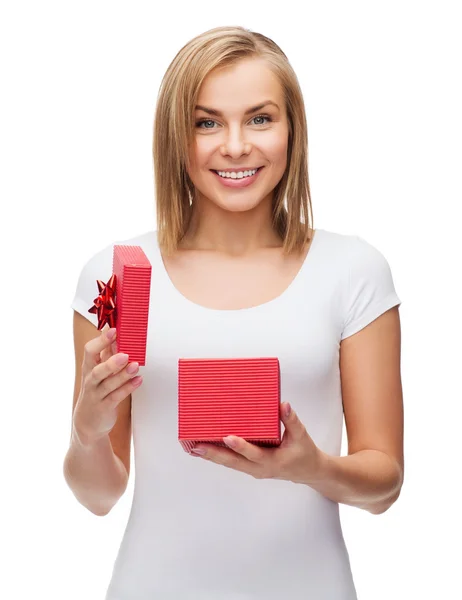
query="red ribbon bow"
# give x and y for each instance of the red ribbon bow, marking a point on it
(105, 303)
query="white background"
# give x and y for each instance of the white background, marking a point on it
(381, 83)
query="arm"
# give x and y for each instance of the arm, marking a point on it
(367, 479)
(372, 474)
(97, 473)
(96, 476)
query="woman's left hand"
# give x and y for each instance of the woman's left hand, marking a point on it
(296, 459)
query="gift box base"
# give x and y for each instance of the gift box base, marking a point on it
(188, 445)
(228, 396)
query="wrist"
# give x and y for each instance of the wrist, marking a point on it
(322, 468)
(84, 441)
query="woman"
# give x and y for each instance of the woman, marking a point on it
(238, 270)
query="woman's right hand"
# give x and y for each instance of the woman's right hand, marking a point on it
(106, 381)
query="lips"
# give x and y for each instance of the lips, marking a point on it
(242, 170)
(238, 182)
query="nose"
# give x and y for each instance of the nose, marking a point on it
(235, 144)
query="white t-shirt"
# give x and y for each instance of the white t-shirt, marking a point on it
(202, 531)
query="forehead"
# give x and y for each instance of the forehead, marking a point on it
(236, 87)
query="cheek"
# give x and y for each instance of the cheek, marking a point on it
(277, 147)
(205, 148)
(200, 166)
(280, 147)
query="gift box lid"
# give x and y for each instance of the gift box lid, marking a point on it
(133, 276)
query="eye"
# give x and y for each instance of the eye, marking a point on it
(263, 117)
(199, 123)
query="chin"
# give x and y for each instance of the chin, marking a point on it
(238, 206)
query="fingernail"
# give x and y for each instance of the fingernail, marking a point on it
(111, 333)
(121, 359)
(200, 451)
(230, 442)
(287, 410)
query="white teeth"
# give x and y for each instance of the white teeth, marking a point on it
(238, 175)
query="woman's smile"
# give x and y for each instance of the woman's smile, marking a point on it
(238, 182)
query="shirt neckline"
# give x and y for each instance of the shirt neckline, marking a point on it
(240, 311)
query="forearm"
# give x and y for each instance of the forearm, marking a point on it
(96, 476)
(367, 479)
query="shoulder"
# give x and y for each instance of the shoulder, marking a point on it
(334, 249)
(334, 242)
(368, 287)
(100, 263)
(367, 261)
(99, 266)
(349, 249)
(102, 258)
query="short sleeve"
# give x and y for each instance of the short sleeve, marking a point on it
(371, 289)
(97, 267)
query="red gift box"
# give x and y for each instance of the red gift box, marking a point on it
(123, 302)
(229, 396)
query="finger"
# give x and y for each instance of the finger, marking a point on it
(109, 351)
(94, 347)
(228, 458)
(116, 396)
(294, 428)
(114, 365)
(250, 451)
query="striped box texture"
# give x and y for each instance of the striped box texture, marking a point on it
(229, 396)
(133, 284)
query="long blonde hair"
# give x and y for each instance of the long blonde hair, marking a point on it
(174, 133)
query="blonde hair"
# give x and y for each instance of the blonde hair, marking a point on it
(174, 134)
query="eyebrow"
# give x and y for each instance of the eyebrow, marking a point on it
(217, 113)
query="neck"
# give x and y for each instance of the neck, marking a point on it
(235, 233)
